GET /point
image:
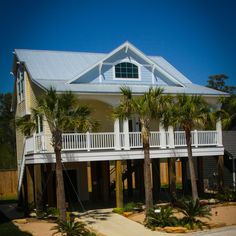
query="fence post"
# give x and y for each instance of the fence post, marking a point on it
(88, 141)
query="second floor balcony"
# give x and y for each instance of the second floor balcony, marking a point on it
(85, 142)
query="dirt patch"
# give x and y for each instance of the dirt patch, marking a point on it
(221, 215)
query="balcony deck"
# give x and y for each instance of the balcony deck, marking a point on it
(112, 146)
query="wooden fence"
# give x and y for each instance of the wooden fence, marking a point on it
(8, 184)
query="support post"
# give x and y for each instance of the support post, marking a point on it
(234, 176)
(200, 175)
(129, 178)
(220, 168)
(162, 136)
(156, 178)
(119, 184)
(219, 133)
(38, 186)
(172, 178)
(30, 183)
(126, 134)
(117, 134)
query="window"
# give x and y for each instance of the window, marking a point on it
(39, 124)
(126, 70)
(20, 84)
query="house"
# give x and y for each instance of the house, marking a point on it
(88, 158)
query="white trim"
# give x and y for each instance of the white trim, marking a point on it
(139, 53)
(74, 156)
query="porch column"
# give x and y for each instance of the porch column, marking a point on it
(126, 134)
(117, 134)
(162, 136)
(219, 132)
(171, 137)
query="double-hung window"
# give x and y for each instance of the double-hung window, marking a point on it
(20, 85)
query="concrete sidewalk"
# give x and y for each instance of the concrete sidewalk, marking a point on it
(110, 224)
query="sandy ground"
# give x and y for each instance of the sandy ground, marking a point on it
(220, 215)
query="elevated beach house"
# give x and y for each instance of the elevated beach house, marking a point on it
(89, 157)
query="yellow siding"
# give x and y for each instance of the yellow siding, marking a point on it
(102, 113)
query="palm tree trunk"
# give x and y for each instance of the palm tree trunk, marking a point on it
(59, 176)
(220, 168)
(172, 179)
(191, 165)
(147, 169)
(119, 185)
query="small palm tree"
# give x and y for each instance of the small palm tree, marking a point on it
(189, 112)
(71, 228)
(192, 210)
(148, 106)
(63, 114)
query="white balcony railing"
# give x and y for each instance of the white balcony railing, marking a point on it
(108, 141)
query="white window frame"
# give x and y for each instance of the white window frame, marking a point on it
(20, 84)
(127, 79)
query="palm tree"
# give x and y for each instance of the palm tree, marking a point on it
(148, 106)
(63, 114)
(190, 112)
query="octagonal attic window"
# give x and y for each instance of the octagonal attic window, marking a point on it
(126, 70)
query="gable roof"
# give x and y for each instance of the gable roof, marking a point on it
(129, 46)
(59, 68)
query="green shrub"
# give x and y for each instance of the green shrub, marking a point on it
(226, 196)
(191, 210)
(133, 207)
(118, 210)
(52, 212)
(160, 219)
(72, 228)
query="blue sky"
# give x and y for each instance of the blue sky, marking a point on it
(197, 36)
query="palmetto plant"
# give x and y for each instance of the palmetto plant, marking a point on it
(150, 105)
(63, 114)
(192, 209)
(164, 217)
(71, 228)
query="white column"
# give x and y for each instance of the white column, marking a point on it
(117, 134)
(171, 137)
(162, 136)
(126, 134)
(219, 132)
(195, 138)
(88, 141)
